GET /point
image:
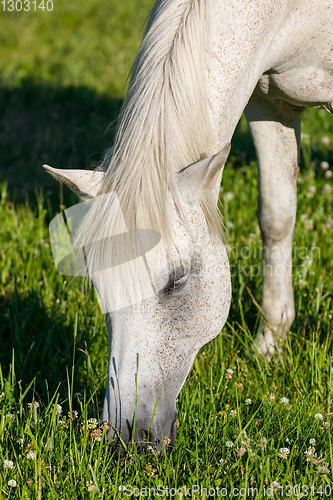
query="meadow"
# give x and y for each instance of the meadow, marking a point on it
(246, 428)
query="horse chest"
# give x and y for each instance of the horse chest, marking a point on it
(301, 58)
(302, 86)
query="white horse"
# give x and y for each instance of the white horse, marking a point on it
(202, 63)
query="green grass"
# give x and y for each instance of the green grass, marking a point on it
(62, 76)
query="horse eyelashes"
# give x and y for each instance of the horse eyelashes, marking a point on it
(177, 280)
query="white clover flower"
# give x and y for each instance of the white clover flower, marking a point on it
(229, 444)
(318, 460)
(229, 373)
(263, 442)
(309, 225)
(92, 423)
(96, 434)
(248, 401)
(324, 469)
(58, 409)
(228, 197)
(8, 464)
(33, 404)
(326, 425)
(284, 452)
(312, 441)
(284, 401)
(326, 189)
(328, 174)
(325, 141)
(90, 486)
(11, 416)
(275, 485)
(240, 451)
(271, 397)
(319, 416)
(324, 165)
(309, 453)
(31, 455)
(310, 191)
(233, 413)
(73, 415)
(12, 483)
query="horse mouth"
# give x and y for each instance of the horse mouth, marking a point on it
(145, 441)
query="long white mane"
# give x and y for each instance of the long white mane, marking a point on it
(164, 124)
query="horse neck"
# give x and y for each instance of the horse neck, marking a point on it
(242, 37)
(166, 123)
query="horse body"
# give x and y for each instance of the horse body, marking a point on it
(271, 60)
(301, 73)
(200, 65)
(283, 48)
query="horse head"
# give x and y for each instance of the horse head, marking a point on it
(153, 340)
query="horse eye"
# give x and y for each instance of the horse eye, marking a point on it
(180, 282)
(176, 282)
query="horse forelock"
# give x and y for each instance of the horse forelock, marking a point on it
(164, 125)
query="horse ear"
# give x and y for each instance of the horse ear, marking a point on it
(85, 183)
(196, 180)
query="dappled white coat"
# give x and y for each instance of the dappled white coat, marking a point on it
(203, 63)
